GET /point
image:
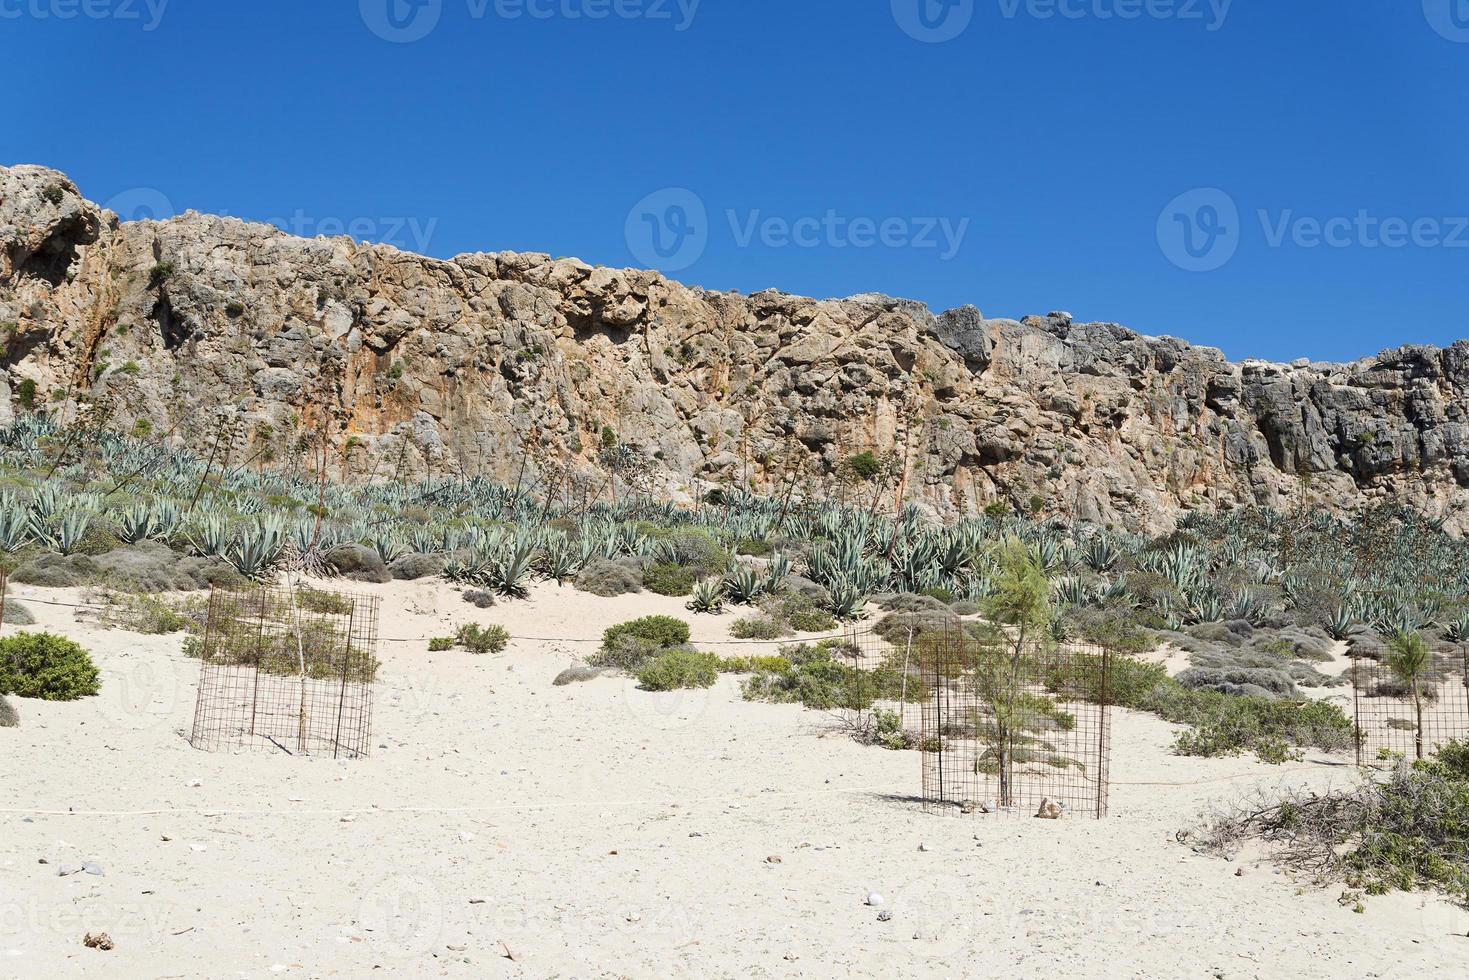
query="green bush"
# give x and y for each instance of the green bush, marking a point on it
(674, 670)
(665, 631)
(864, 466)
(1220, 724)
(150, 614)
(670, 580)
(482, 639)
(52, 668)
(799, 612)
(756, 628)
(752, 665)
(1407, 832)
(438, 644)
(813, 675)
(626, 653)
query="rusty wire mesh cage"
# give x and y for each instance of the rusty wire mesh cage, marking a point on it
(1409, 717)
(1006, 730)
(287, 669)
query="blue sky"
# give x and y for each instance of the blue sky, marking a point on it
(1279, 179)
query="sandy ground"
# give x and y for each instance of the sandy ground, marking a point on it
(597, 830)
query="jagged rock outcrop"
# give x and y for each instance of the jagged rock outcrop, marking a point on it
(515, 364)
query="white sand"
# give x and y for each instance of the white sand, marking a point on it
(597, 830)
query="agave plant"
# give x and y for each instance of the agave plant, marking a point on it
(776, 573)
(743, 586)
(71, 528)
(15, 528)
(1342, 623)
(508, 572)
(135, 523)
(256, 547)
(708, 596)
(209, 535)
(847, 598)
(1071, 591)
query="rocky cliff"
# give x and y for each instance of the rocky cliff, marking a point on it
(521, 366)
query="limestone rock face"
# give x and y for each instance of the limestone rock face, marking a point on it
(516, 365)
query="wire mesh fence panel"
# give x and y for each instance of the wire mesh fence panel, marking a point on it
(289, 670)
(883, 688)
(1410, 716)
(1013, 728)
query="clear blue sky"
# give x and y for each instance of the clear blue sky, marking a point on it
(1052, 146)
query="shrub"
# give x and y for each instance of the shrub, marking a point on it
(52, 668)
(479, 598)
(756, 628)
(813, 676)
(756, 548)
(160, 274)
(674, 670)
(26, 390)
(665, 631)
(752, 665)
(799, 612)
(626, 653)
(482, 639)
(668, 579)
(317, 601)
(576, 675)
(18, 613)
(1220, 724)
(1404, 833)
(438, 644)
(8, 716)
(148, 614)
(611, 578)
(693, 548)
(864, 466)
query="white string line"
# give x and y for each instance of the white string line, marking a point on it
(530, 639)
(564, 805)
(223, 811)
